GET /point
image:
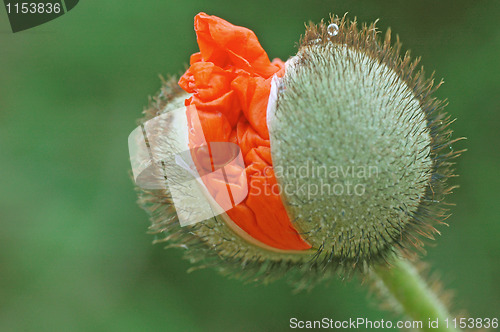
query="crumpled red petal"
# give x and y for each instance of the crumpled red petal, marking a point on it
(230, 79)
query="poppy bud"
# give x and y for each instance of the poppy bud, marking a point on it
(346, 153)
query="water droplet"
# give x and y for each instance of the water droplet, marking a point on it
(333, 29)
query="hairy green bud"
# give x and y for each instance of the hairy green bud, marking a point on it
(361, 151)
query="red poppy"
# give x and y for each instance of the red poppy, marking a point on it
(230, 82)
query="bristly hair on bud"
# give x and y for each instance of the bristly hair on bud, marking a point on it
(347, 98)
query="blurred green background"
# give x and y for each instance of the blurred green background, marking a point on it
(74, 253)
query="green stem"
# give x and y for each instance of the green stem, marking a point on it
(415, 298)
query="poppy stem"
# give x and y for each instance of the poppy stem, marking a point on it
(404, 285)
